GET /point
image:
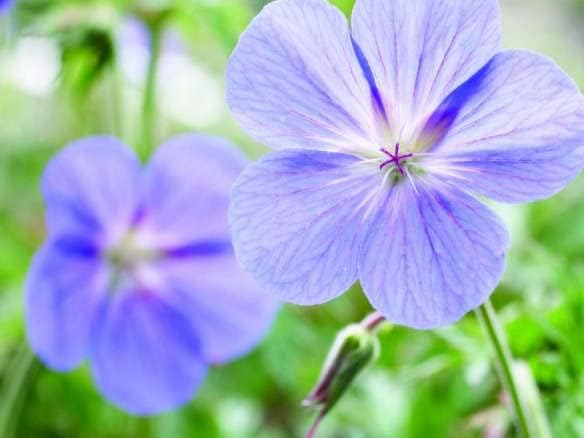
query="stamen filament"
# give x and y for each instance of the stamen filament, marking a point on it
(395, 158)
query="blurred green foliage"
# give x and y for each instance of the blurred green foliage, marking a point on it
(425, 384)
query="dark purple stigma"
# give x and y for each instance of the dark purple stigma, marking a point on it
(395, 158)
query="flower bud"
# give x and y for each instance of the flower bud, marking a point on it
(354, 347)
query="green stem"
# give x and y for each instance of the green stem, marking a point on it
(149, 132)
(488, 318)
(117, 116)
(14, 390)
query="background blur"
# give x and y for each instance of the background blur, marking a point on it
(74, 68)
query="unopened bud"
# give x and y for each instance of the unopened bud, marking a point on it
(354, 347)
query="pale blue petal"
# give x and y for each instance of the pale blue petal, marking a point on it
(91, 188)
(294, 80)
(227, 308)
(185, 191)
(296, 218)
(145, 356)
(63, 289)
(431, 256)
(420, 51)
(519, 136)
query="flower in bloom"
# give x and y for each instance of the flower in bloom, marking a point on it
(386, 132)
(138, 273)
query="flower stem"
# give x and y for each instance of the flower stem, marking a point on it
(149, 131)
(504, 361)
(117, 116)
(372, 321)
(14, 390)
(313, 428)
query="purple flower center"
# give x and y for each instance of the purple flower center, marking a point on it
(395, 158)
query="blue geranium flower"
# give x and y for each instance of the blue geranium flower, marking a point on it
(386, 133)
(138, 273)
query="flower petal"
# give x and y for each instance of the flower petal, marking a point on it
(420, 51)
(146, 357)
(294, 79)
(186, 190)
(431, 256)
(225, 305)
(296, 218)
(519, 136)
(62, 294)
(90, 188)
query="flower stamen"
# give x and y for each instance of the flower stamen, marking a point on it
(395, 158)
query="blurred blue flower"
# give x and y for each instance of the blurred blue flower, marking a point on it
(6, 5)
(138, 273)
(386, 132)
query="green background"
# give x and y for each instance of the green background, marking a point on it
(62, 77)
